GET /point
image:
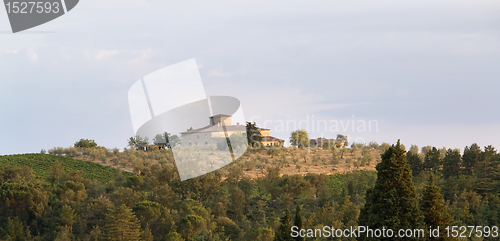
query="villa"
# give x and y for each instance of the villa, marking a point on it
(220, 127)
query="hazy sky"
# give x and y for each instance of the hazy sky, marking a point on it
(427, 72)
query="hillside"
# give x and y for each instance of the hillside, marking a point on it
(41, 163)
(254, 163)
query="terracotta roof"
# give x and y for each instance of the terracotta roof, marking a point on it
(270, 138)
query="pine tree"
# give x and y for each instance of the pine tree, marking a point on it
(174, 236)
(487, 171)
(14, 229)
(452, 163)
(415, 162)
(470, 159)
(67, 217)
(298, 221)
(284, 230)
(146, 234)
(64, 234)
(121, 224)
(432, 159)
(394, 203)
(434, 209)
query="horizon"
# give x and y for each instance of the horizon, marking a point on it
(425, 80)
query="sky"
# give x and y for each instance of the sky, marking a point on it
(425, 72)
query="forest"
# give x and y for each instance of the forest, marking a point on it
(258, 197)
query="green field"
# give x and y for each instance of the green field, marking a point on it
(41, 163)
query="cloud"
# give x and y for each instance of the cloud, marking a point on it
(32, 54)
(103, 53)
(218, 73)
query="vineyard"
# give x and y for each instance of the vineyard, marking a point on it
(41, 163)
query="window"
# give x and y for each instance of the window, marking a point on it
(206, 143)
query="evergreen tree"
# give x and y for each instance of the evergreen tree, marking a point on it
(67, 217)
(415, 162)
(393, 198)
(254, 137)
(146, 234)
(14, 230)
(452, 163)
(284, 232)
(64, 234)
(121, 224)
(432, 159)
(298, 221)
(470, 159)
(487, 171)
(434, 209)
(364, 214)
(174, 236)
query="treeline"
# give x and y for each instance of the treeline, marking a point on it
(229, 205)
(155, 205)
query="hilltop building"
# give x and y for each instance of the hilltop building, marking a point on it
(216, 131)
(268, 140)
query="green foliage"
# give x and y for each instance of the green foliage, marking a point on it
(137, 140)
(254, 137)
(121, 224)
(452, 162)
(67, 217)
(434, 210)
(299, 138)
(343, 139)
(174, 236)
(41, 164)
(161, 139)
(393, 199)
(470, 158)
(284, 230)
(15, 230)
(432, 159)
(147, 211)
(234, 204)
(85, 143)
(415, 162)
(298, 222)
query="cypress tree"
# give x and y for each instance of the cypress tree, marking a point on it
(298, 222)
(394, 203)
(364, 214)
(284, 232)
(434, 210)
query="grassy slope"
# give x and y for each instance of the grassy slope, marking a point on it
(41, 163)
